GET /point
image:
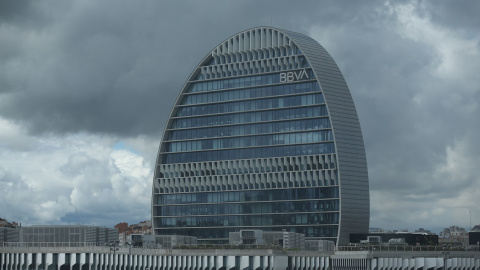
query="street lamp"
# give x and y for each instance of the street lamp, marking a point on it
(113, 245)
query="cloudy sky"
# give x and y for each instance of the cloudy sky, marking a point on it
(86, 88)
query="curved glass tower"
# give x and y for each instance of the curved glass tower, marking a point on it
(263, 135)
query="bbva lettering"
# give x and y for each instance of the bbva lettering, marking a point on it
(293, 76)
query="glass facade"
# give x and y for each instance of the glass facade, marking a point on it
(249, 144)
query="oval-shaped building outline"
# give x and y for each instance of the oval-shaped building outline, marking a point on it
(276, 53)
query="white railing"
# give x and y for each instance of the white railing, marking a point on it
(399, 248)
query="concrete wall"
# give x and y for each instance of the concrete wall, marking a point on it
(98, 258)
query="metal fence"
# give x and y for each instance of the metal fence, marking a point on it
(397, 248)
(207, 248)
(49, 244)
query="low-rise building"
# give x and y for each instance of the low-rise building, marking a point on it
(160, 241)
(58, 236)
(319, 245)
(454, 236)
(283, 239)
(410, 238)
(8, 235)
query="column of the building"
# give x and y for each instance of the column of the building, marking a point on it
(38, 260)
(405, 263)
(316, 263)
(177, 261)
(190, 262)
(121, 261)
(188, 265)
(302, 262)
(28, 263)
(83, 260)
(3, 258)
(150, 261)
(193, 262)
(61, 260)
(133, 262)
(230, 262)
(48, 260)
(164, 263)
(10, 261)
(205, 262)
(109, 261)
(184, 265)
(170, 260)
(127, 262)
(102, 262)
(93, 261)
(139, 265)
(154, 262)
(295, 263)
(419, 262)
(143, 259)
(211, 264)
(219, 263)
(17, 261)
(72, 262)
(311, 263)
(244, 262)
(24, 261)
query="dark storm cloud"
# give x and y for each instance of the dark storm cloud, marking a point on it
(392, 68)
(390, 77)
(12, 10)
(459, 15)
(118, 71)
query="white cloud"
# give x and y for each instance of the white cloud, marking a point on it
(130, 164)
(458, 61)
(13, 136)
(61, 177)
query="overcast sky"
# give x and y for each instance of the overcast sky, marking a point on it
(86, 88)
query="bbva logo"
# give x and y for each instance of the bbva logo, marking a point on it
(293, 76)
